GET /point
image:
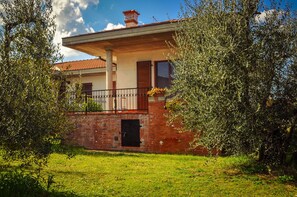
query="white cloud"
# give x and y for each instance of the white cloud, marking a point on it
(69, 21)
(111, 26)
(261, 18)
(90, 30)
(80, 20)
(85, 3)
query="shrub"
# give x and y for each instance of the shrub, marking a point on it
(154, 91)
(92, 106)
(173, 105)
(286, 178)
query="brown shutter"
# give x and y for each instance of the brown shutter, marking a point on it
(143, 83)
(144, 74)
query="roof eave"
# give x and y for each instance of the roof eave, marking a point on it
(120, 33)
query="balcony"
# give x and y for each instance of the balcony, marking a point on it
(127, 100)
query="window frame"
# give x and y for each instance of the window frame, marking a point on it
(156, 72)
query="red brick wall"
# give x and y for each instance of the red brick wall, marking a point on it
(103, 131)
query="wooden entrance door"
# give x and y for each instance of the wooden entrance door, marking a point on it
(130, 133)
(143, 83)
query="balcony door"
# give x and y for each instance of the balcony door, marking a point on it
(143, 82)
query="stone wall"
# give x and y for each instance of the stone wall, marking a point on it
(99, 131)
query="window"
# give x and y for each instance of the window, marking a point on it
(87, 88)
(63, 87)
(164, 71)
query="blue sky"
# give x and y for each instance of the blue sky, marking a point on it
(74, 17)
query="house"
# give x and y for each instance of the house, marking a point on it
(136, 59)
(89, 73)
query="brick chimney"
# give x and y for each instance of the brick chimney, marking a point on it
(131, 18)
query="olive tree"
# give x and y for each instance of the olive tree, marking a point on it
(31, 117)
(236, 77)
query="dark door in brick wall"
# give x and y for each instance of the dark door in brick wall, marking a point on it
(130, 133)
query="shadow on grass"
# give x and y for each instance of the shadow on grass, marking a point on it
(72, 151)
(72, 173)
(9, 165)
(253, 167)
(18, 184)
(283, 174)
(76, 150)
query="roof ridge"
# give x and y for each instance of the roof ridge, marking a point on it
(98, 58)
(93, 63)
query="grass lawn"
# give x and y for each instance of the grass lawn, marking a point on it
(137, 174)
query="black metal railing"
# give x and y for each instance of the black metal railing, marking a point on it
(114, 100)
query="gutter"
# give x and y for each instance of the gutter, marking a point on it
(121, 33)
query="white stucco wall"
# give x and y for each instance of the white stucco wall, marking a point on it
(98, 81)
(127, 65)
(126, 72)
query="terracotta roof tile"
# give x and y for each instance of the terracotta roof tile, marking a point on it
(81, 64)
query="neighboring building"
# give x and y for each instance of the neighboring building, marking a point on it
(90, 73)
(136, 60)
